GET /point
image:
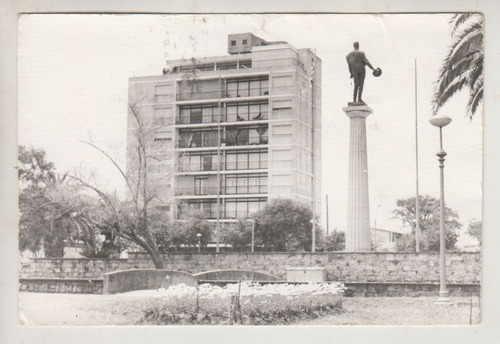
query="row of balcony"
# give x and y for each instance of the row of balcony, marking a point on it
(195, 94)
(227, 190)
(227, 166)
(223, 117)
(195, 142)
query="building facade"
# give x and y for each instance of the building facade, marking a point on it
(229, 133)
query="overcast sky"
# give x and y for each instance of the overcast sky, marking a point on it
(73, 84)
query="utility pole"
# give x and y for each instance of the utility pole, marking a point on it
(327, 214)
(217, 228)
(417, 201)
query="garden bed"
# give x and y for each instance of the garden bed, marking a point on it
(244, 303)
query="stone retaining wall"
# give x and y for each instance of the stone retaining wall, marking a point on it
(462, 267)
(78, 268)
(61, 285)
(140, 279)
(362, 289)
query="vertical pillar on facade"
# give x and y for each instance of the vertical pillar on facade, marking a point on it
(358, 212)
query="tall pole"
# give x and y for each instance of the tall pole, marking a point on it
(217, 228)
(327, 214)
(443, 292)
(417, 199)
(253, 234)
(444, 296)
(199, 242)
(375, 226)
(313, 159)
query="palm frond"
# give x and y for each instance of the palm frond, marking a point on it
(463, 65)
(458, 19)
(474, 100)
(477, 71)
(451, 88)
(467, 41)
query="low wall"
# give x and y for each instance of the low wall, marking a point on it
(139, 279)
(61, 285)
(463, 268)
(367, 289)
(233, 275)
(79, 267)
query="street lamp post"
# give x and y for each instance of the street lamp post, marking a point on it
(198, 235)
(253, 234)
(444, 296)
(313, 230)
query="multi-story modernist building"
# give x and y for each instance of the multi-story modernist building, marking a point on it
(231, 132)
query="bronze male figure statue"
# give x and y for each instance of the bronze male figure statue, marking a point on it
(357, 61)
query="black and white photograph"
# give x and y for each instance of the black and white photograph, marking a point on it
(300, 169)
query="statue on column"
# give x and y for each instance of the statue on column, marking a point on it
(357, 61)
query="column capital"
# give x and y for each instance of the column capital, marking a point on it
(357, 111)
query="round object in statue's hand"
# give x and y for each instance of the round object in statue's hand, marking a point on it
(377, 72)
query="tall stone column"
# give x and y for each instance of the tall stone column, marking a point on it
(358, 213)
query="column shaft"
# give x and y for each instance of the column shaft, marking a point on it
(358, 213)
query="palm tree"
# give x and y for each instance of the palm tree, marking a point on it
(463, 66)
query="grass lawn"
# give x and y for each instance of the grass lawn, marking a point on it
(98, 310)
(402, 311)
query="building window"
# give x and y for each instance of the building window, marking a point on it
(198, 162)
(233, 43)
(241, 208)
(247, 111)
(200, 185)
(246, 136)
(208, 207)
(197, 138)
(245, 42)
(206, 113)
(231, 208)
(246, 183)
(227, 65)
(247, 87)
(245, 64)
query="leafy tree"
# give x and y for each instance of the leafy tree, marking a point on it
(463, 66)
(44, 214)
(475, 230)
(429, 216)
(183, 232)
(284, 225)
(40, 226)
(335, 241)
(33, 167)
(238, 235)
(53, 213)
